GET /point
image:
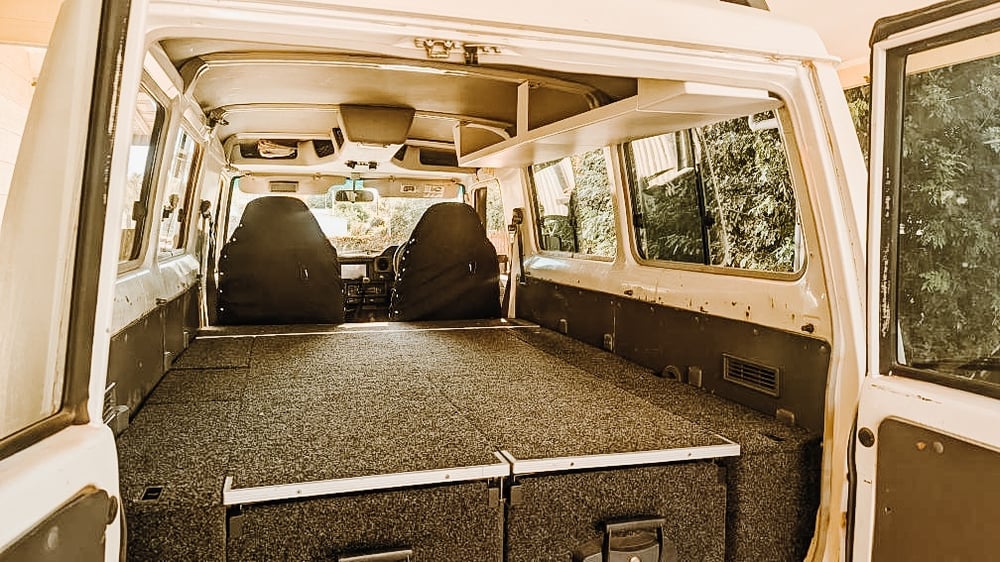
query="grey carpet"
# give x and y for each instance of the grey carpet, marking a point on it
(318, 406)
(183, 448)
(754, 431)
(536, 405)
(215, 353)
(349, 432)
(201, 385)
(293, 408)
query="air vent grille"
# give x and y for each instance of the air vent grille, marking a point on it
(751, 375)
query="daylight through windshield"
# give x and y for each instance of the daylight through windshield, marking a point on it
(353, 228)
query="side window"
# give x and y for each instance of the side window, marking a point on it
(718, 195)
(177, 196)
(666, 200)
(488, 199)
(238, 200)
(146, 127)
(749, 192)
(947, 278)
(574, 206)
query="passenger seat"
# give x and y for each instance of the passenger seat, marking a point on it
(279, 268)
(448, 269)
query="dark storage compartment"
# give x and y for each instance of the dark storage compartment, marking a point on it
(772, 487)
(447, 522)
(558, 514)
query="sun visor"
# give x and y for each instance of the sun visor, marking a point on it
(420, 188)
(376, 125)
(288, 184)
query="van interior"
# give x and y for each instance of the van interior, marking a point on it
(425, 299)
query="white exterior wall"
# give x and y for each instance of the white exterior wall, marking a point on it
(18, 70)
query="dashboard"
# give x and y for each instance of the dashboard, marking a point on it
(368, 282)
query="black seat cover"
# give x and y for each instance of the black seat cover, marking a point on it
(279, 268)
(448, 269)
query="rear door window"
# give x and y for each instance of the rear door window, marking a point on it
(948, 245)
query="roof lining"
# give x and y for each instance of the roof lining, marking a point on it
(193, 70)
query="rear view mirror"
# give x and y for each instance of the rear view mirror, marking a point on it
(353, 196)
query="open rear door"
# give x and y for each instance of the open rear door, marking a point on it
(58, 466)
(928, 435)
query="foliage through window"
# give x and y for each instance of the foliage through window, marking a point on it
(666, 200)
(176, 199)
(146, 125)
(948, 250)
(719, 195)
(573, 201)
(859, 104)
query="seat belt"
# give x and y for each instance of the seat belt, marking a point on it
(514, 234)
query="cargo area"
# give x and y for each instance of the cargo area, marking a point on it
(483, 440)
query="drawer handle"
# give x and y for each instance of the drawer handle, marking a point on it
(665, 551)
(393, 556)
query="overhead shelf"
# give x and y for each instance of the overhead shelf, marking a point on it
(660, 106)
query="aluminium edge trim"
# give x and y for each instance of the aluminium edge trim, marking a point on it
(258, 494)
(357, 328)
(614, 460)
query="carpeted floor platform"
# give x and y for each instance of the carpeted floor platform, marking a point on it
(772, 487)
(299, 405)
(172, 461)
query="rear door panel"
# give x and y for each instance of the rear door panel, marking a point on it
(927, 445)
(58, 465)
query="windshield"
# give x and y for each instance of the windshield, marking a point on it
(352, 228)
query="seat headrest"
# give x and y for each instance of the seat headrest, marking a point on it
(448, 222)
(277, 218)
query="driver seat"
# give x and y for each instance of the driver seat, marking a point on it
(447, 270)
(279, 268)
